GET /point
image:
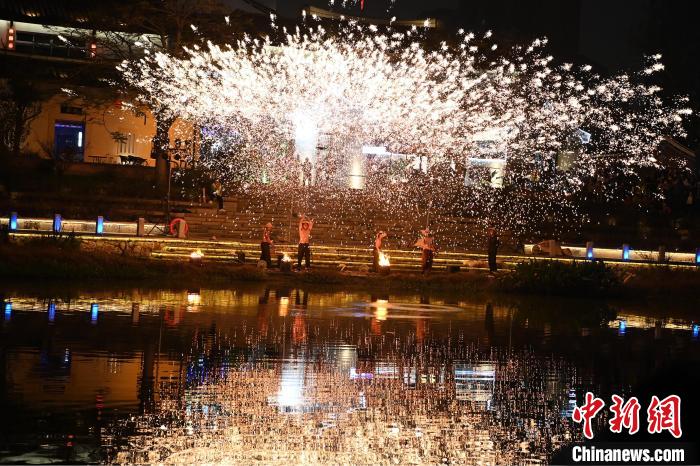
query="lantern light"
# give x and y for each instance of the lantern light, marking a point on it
(100, 225)
(94, 310)
(625, 252)
(13, 221)
(11, 36)
(623, 327)
(57, 223)
(52, 312)
(589, 250)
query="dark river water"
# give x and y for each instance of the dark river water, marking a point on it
(287, 376)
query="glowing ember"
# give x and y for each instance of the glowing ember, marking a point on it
(383, 260)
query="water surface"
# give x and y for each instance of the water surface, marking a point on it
(283, 376)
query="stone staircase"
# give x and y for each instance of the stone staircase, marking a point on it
(354, 258)
(245, 217)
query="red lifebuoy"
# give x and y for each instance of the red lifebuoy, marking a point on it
(174, 222)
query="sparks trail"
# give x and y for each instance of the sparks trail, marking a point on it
(465, 128)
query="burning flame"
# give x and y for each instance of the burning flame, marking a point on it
(196, 254)
(383, 260)
(286, 258)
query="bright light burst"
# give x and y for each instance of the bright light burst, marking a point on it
(474, 129)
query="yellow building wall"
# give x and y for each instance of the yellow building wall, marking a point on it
(100, 124)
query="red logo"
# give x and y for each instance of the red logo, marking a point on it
(661, 415)
(625, 415)
(587, 413)
(665, 415)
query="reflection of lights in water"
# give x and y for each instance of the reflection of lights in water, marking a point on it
(242, 415)
(194, 298)
(475, 382)
(291, 389)
(382, 309)
(284, 306)
(568, 411)
(642, 322)
(383, 260)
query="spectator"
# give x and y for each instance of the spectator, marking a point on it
(492, 248)
(306, 168)
(217, 192)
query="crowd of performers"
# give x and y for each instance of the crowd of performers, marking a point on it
(426, 243)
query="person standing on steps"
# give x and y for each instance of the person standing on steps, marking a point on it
(306, 169)
(427, 244)
(305, 226)
(377, 249)
(492, 243)
(266, 245)
(217, 192)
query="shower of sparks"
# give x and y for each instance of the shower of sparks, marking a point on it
(466, 128)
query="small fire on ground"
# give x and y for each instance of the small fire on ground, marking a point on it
(383, 260)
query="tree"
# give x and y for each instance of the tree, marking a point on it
(20, 103)
(123, 29)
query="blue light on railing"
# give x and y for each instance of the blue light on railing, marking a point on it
(626, 252)
(57, 223)
(623, 327)
(13, 221)
(8, 310)
(696, 330)
(589, 253)
(100, 225)
(697, 256)
(94, 310)
(52, 312)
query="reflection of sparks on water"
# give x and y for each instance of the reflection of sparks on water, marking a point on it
(194, 298)
(284, 306)
(462, 414)
(382, 310)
